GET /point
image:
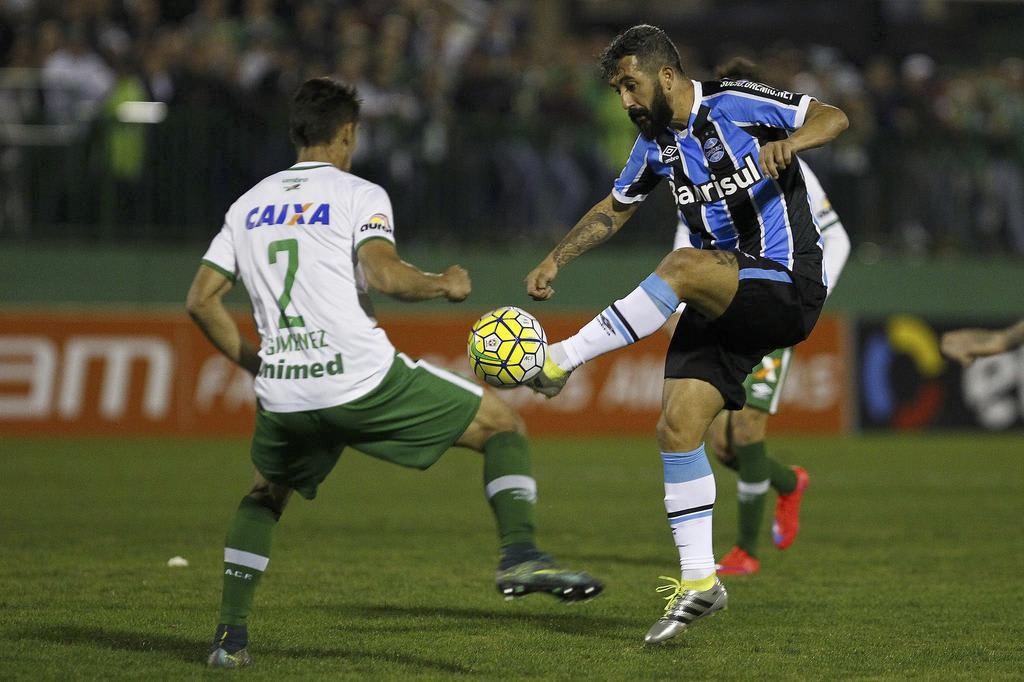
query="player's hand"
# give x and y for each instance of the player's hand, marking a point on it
(456, 283)
(964, 345)
(539, 280)
(776, 156)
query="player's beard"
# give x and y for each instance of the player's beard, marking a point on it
(652, 121)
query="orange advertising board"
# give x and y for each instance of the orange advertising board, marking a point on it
(155, 374)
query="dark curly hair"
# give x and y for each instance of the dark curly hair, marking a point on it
(649, 44)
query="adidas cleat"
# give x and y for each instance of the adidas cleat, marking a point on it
(544, 575)
(738, 562)
(220, 658)
(228, 648)
(787, 511)
(550, 379)
(684, 608)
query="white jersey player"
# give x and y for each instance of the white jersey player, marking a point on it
(300, 231)
(307, 243)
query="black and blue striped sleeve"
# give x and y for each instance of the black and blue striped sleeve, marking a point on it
(639, 176)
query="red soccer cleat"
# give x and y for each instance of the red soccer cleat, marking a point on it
(738, 562)
(787, 511)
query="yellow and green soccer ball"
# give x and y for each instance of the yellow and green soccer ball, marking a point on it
(507, 347)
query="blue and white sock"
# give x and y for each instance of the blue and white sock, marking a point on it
(641, 313)
(689, 501)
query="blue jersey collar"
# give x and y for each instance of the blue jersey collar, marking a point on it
(698, 95)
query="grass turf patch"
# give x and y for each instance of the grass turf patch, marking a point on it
(908, 564)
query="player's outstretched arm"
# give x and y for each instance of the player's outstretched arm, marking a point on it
(596, 227)
(389, 274)
(822, 124)
(205, 304)
(965, 345)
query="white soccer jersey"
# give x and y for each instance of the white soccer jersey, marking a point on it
(292, 241)
(834, 240)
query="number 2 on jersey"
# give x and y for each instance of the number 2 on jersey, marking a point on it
(291, 247)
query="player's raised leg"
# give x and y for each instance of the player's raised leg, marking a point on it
(498, 432)
(707, 280)
(689, 406)
(246, 555)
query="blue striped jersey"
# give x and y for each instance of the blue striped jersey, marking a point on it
(713, 168)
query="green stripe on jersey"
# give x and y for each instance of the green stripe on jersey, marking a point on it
(213, 266)
(370, 239)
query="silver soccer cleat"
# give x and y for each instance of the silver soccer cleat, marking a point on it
(220, 658)
(684, 608)
(549, 380)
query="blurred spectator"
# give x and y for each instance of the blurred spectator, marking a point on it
(76, 78)
(468, 122)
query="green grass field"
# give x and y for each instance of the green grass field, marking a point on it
(909, 564)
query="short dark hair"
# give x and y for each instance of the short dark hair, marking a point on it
(738, 69)
(649, 44)
(319, 108)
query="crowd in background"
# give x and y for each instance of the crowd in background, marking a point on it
(478, 125)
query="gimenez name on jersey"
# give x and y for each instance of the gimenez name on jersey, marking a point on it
(717, 189)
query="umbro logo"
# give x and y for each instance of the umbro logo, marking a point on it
(669, 154)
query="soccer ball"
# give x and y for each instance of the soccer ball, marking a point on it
(507, 347)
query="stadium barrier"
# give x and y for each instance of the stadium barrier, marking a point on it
(122, 373)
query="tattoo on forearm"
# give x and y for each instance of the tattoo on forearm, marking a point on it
(593, 229)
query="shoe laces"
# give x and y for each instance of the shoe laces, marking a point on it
(674, 586)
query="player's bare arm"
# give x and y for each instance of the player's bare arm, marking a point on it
(389, 274)
(596, 227)
(822, 124)
(966, 345)
(205, 304)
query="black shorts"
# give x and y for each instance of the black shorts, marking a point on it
(773, 308)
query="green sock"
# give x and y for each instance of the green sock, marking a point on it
(246, 554)
(783, 477)
(753, 485)
(510, 488)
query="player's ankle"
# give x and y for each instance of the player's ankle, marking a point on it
(231, 638)
(559, 353)
(517, 553)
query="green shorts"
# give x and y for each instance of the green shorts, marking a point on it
(764, 384)
(416, 413)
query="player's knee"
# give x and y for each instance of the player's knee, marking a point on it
(272, 496)
(677, 268)
(504, 418)
(494, 416)
(719, 442)
(674, 436)
(749, 426)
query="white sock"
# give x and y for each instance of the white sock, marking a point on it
(641, 313)
(689, 500)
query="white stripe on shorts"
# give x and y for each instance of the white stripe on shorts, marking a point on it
(247, 559)
(450, 377)
(783, 373)
(513, 482)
